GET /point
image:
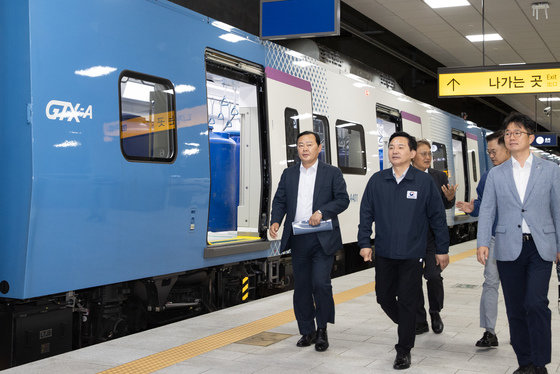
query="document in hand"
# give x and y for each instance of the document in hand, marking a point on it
(303, 227)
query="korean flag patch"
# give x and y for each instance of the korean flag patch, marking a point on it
(412, 195)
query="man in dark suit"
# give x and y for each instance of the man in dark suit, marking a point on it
(432, 272)
(525, 191)
(311, 191)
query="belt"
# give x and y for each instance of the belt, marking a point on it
(527, 237)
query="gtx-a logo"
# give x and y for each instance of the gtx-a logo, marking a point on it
(60, 110)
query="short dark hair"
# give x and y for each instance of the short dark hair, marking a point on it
(411, 139)
(317, 137)
(499, 135)
(520, 119)
(423, 142)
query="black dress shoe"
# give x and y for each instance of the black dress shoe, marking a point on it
(525, 369)
(437, 323)
(541, 370)
(422, 328)
(322, 342)
(402, 361)
(487, 340)
(306, 340)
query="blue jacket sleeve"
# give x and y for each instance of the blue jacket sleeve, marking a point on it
(479, 192)
(437, 220)
(367, 215)
(487, 212)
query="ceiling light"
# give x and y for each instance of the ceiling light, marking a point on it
(544, 99)
(434, 4)
(487, 37)
(513, 63)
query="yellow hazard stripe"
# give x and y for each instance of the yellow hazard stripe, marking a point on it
(245, 288)
(158, 361)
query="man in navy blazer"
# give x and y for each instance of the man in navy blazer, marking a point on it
(311, 191)
(524, 192)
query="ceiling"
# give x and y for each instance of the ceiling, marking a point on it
(440, 33)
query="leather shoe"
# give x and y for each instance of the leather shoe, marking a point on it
(437, 323)
(422, 328)
(525, 369)
(322, 342)
(488, 340)
(541, 370)
(306, 340)
(402, 361)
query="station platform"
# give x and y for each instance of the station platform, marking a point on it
(260, 336)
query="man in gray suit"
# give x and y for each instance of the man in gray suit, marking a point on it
(525, 192)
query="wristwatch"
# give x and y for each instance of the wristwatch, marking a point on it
(319, 211)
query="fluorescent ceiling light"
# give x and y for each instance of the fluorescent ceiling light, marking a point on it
(487, 37)
(513, 63)
(231, 38)
(434, 4)
(346, 125)
(545, 99)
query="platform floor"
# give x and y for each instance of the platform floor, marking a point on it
(361, 341)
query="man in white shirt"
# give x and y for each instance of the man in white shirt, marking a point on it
(525, 190)
(311, 191)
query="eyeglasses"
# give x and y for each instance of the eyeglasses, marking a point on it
(515, 134)
(491, 153)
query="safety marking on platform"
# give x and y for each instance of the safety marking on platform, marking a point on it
(160, 360)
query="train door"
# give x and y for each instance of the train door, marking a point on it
(473, 163)
(238, 153)
(461, 165)
(388, 121)
(289, 113)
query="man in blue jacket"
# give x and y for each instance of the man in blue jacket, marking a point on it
(489, 298)
(403, 202)
(311, 191)
(525, 191)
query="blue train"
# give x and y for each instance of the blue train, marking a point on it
(143, 144)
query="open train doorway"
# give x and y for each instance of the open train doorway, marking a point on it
(234, 100)
(461, 164)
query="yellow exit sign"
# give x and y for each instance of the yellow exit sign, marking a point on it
(499, 80)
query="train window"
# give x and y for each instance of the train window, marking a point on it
(321, 127)
(439, 156)
(292, 131)
(147, 118)
(388, 121)
(351, 150)
(473, 158)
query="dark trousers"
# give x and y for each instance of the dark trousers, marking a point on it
(432, 273)
(313, 298)
(525, 284)
(397, 286)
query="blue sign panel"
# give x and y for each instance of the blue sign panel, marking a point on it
(285, 19)
(545, 140)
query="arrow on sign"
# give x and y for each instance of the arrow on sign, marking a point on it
(453, 81)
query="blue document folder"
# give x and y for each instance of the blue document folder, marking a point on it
(303, 227)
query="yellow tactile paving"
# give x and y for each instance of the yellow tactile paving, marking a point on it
(172, 356)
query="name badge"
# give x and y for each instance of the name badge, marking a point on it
(411, 194)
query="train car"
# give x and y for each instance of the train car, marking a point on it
(143, 145)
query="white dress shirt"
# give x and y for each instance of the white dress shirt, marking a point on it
(399, 179)
(521, 178)
(306, 187)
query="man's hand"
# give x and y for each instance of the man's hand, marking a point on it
(442, 260)
(315, 219)
(463, 206)
(366, 253)
(482, 255)
(449, 191)
(274, 230)
(558, 258)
